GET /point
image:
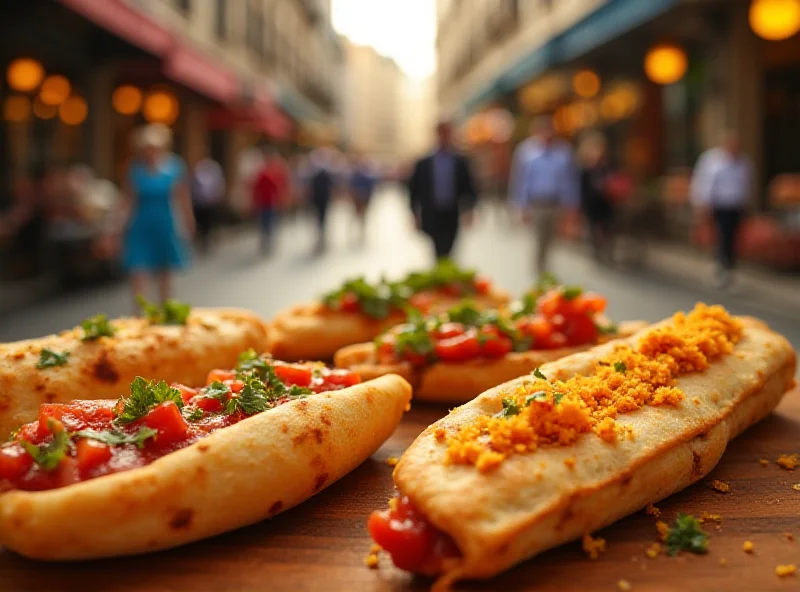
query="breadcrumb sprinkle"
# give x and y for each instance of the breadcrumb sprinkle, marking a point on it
(785, 570)
(654, 550)
(788, 461)
(651, 510)
(624, 585)
(796, 486)
(371, 561)
(593, 546)
(723, 562)
(706, 517)
(748, 547)
(720, 486)
(663, 529)
(764, 462)
(558, 412)
(392, 461)
(789, 536)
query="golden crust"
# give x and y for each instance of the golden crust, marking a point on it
(234, 477)
(313, 332)
(458, 383)
(103, 368)
(537, 501)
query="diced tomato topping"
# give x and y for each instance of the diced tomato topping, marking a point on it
(552, 303)
(294, 374)
(220, 376)
(454, 290)
(414, 543)
(446, 330)
(459, 348)
(557, 340)
(14, 462)
(341, 377)
(482, 284)
(349, 303)
(75, 416)
(495, 344)
(207, 404)
(167, 419)
(589, 303)
(91, 454)
(422, 301)
(235, 385)
(186, 392)
(580, 330)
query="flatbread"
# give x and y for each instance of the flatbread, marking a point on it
(236, 476)
(103, 368)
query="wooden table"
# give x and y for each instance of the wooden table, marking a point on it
(321, 544)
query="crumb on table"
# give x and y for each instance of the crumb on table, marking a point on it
(788, 461)
(392, 461)
(785, 570)
(651, 510)
(624, 585)
(720, 486)
(764, 462)
(593, 546)
(723, 562)
(748, 547)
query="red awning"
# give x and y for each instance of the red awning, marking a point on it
(271, 122)
(126, 22)
(193, 69)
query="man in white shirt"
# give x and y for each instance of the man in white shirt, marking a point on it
(544, 183)
(721, 185)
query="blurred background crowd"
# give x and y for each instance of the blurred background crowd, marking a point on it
(139, 135)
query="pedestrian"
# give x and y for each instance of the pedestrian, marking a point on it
(721, 185)
(208, 192)
(321, 186)
(362, 185)
(270, 190)
(596, 203)
(155, 214)
(548, 186)
(442, 192)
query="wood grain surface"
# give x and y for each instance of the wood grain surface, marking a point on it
(321, 544)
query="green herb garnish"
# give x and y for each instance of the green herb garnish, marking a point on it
(620, 367)
(608, 329)
(686, 535)
(96, 327)
(173, 312)
(118, 438)
(510, 407)
(572, 292)
(49, 358)
(538, 396)
(251, 399)
(557, 398)
(195, 414)
(547, 281)
(49, 456)
(217, 390)
(144, 396)
(538, 374)
(376, 300)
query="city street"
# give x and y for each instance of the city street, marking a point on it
(235, 275)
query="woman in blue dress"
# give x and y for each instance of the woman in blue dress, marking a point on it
(157, 212)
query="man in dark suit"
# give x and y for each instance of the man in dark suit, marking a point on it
(442, 191)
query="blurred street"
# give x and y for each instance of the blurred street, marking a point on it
(236, 275)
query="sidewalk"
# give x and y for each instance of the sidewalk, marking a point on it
(755, 285)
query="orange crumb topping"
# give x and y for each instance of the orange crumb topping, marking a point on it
(720, 486)
(748, 547)
(392, 461)
(663, 529)
(796, 486)
(653, 550)
(789, 536)
(706, 517)
(788, 461)
(371, 561)
(557, 412)
(593, 547)
(785, 570)
(651, 510)
(624, 585)
(764, 462)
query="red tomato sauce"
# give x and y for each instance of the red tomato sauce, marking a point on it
(414, 544)
(87, 458)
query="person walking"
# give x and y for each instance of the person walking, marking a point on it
(270, 189)
(596, 203)
(156, 189)
(362, 185)
(208, 191)
(321, 186)
(442, 192)
(548, 186)
(721, 185)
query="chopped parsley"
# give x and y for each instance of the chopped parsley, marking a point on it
(538, 374)
(376, 300)
(466, 313)
(524, 307)
(538, 396)
(96, 327)
(445, 273)
(252, 399)
(144, 396)
(510, 407)
(557, 398)
(608, 329)
(173, 312)
(620, 367)
(49, 455)
(195, 414)
(217, 390)
(49, 358)
(547, 281)
(118, 438)
(572, 292)
(686, 535)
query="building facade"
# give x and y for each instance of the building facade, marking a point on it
(662, 79)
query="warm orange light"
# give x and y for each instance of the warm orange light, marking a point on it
(24, 74)
(126, 99)
(55, 90)
(73, 111)
(563, 121)
(586, 84)
(44, 111)
(584, 114)
(665, 63)
(775, 20)
(161, 106)
(17, 109)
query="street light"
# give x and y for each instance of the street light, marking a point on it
(665, 63)
(24, 74)
(161, 106)
(73, 111)
(775, 20)
(126, 99)
(586, 84)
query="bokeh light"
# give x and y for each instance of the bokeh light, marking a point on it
(55, 90)
(126, 99)
(586, 84)
(24, 74)
(17, 109)
(775, 20)
(73, 111)
(665, 63)
(161, 106)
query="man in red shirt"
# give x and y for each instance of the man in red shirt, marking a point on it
(269, 192)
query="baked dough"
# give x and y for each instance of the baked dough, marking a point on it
(314, 332)
(533, 502)
(236, 476)
(451, 383)
(102, 368)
